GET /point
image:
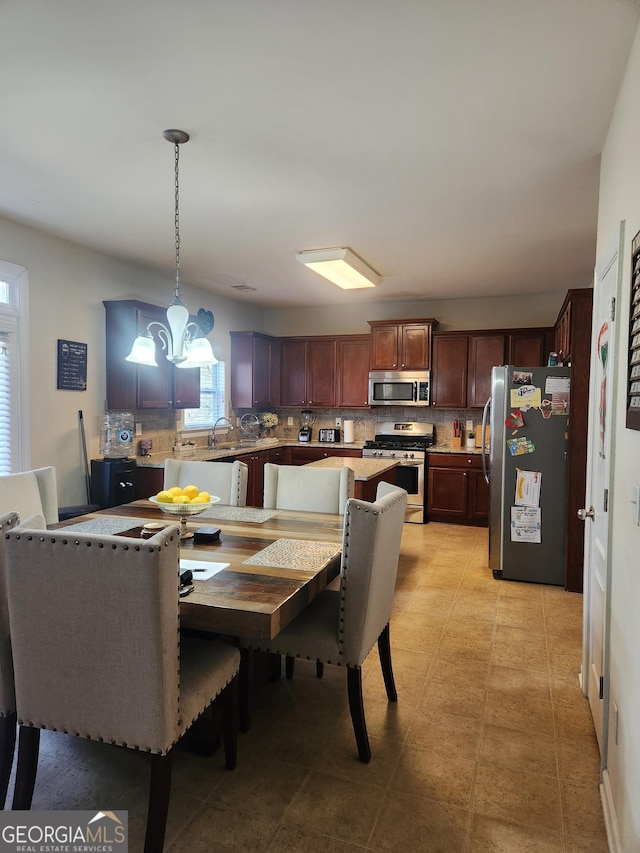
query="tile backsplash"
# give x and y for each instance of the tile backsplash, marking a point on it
(161, 426)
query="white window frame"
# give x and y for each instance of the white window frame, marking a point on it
(14, 320)
(220, 410)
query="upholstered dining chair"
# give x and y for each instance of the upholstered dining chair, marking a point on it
(227, 480)
(8, 717)
(307, 489)
(32, 494)
(97, 653)
(341, 626)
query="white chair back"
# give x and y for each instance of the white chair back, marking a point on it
(32, 494)
(307, 489)
(227, 480)
(110, 605)
(370, 553)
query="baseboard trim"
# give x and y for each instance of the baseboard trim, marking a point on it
(610, 819)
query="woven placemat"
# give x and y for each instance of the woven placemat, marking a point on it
(239, 513)
(106, 526)
(295, 554)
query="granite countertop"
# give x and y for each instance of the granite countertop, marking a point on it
(447, 448)
(220, 451)
(363, 469)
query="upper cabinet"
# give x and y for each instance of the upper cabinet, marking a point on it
(575, 309)
(134, 386)
(530, 347)
(353, 371)
(254, 370)
(462, 362)
(450, 370)
(401, 344)
(308, 372)
(485, 352)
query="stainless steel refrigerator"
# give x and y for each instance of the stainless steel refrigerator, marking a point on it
(526, 466)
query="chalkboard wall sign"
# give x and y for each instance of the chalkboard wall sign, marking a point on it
(72, 366)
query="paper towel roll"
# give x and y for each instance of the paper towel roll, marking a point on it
(348, 432)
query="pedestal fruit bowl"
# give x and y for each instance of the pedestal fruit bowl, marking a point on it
(184, 510)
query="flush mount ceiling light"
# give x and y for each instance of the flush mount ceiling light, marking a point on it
(183, 340)
(341, 267)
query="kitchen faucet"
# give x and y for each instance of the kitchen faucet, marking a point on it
(212, 437)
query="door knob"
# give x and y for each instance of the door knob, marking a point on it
(584, 514)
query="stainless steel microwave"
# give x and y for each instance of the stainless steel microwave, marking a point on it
(399, 388)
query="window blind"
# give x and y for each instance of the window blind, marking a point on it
(5, 402)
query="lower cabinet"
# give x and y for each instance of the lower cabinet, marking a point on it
(255, 481)
(302, 455)
(149, 482)
(280, 455)
(457, 491)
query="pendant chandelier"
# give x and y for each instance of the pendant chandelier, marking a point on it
(182, 340)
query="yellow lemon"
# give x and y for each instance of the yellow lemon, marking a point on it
(199, 500)
(181, 499)
(175, 490)
(164, 497)
(191, 491)
(206, 497)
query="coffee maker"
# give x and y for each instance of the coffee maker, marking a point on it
(307, 421)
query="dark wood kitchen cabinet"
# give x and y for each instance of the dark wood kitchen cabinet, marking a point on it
(462, 362)
(133, 386)
(308, 372)
(301, 455)
(353, 371)
(573, 345)
(254, 370)
(485, 352)
(457, 491)
(450, 370)
(530, 347)
(401, 344)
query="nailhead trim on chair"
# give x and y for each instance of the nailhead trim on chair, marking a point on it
(125, 547)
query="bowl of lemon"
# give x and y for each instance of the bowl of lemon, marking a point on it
(183, 502)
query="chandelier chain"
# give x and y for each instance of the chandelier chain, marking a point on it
(177, 220)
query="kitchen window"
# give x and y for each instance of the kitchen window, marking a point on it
(212, 402)
(13, 283)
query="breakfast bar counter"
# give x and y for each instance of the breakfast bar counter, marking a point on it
(368, 472)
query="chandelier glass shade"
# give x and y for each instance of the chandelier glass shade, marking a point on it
(182, 340)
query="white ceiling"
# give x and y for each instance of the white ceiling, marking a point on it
(453, 144)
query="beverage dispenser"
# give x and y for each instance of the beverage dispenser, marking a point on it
(113, 478)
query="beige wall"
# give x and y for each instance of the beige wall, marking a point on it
(67, 284)
(485, 312)
(619, 200)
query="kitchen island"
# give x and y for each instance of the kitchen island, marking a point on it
(368, 473)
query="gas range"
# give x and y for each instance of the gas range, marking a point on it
(401, 440)
(407, 442)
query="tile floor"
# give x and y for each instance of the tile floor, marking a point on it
(489, 748)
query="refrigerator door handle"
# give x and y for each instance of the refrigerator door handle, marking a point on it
(485, 416)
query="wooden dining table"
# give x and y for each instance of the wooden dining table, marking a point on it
(246, 599)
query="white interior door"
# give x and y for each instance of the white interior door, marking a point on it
(600, 448)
